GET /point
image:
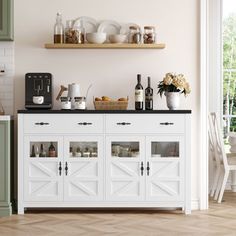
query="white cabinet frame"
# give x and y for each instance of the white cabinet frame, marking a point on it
(92, 178)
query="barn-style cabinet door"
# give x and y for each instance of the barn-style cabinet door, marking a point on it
(83, 168)
(43, 171)
(125, 156)
(164, 168)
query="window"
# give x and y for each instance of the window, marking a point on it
(229, 65)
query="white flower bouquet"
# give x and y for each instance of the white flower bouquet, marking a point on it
(173, 83)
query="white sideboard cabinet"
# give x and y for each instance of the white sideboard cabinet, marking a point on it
(104, 159)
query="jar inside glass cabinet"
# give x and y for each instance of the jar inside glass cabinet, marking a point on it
(149, 35)
(74, 32)
(135, 35)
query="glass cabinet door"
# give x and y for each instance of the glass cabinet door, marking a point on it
(164, 163)
(43, 163)
(162, 149)
(83, 160)
(125, 168)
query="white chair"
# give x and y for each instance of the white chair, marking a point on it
(213, 164)
(225, 163)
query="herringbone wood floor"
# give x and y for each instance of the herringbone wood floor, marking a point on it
(219, 220)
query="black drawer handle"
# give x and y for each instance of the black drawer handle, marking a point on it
(85, 123)
(166, 123)
(123, 123)
(148, 168)
(60, 168)
(41, 123)
(66, 168)
(142, 168)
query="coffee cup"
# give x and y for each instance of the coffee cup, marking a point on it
(38, 99)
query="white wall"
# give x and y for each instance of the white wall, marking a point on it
(113, 72)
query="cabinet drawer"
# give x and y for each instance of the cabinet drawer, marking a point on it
(63, 123)
(145, 123)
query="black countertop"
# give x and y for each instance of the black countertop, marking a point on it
(103, 112)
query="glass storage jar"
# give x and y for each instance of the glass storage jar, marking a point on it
(65, 103)
(149, 35)
(74, 33)
(135, 35)
(80, 103)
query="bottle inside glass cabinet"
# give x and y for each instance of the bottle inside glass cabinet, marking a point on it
(52, 150)
(59, 29)
(42, 151)
(33, 151)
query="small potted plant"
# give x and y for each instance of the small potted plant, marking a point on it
(172, 86)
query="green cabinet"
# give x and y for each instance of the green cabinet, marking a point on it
(6, 20)
(5, 167)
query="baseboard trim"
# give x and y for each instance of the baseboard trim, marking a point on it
(5, 211)
(195, 205)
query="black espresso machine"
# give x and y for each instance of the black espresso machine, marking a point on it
(38, 91)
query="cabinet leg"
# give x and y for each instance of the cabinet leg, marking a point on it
(21, 210)
(187, 211)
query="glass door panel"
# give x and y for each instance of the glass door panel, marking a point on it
(164, 149)
(42, 149)
(81, 149)
(125, 149)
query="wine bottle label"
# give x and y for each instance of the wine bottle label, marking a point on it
(148, 97)
(138, 95)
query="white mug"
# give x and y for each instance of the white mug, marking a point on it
(38, 99)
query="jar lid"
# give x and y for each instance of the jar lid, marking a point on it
(69, 23)
(149, 27)
(132, 27)
(65, 98)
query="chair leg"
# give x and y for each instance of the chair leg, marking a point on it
(219, 184)
(226, 175)
(216, 179)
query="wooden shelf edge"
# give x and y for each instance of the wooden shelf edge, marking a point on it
(105, 46)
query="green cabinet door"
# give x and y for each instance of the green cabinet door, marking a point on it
(5, 141)
(6, 20)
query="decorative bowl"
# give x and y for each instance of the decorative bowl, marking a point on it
(117, 38)
(98, 38)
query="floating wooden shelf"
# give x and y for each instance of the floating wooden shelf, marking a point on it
(105, 46)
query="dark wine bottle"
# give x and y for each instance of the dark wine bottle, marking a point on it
(42, 151)
(52, 150)
(33, 152)
(149, 96)
(139, 94)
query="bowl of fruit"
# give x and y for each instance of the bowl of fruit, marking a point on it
(107, 103)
